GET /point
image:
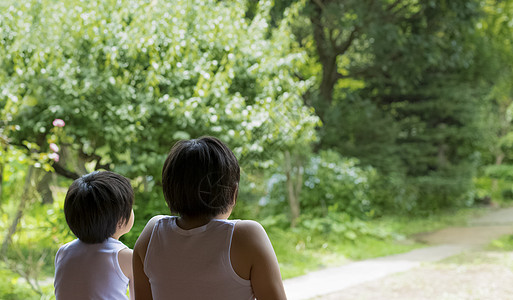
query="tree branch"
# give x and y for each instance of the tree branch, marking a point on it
(299, 76)
(318, 33)
(395, 14)
(65, 172)
(342, 48)
(393, 5)
(90, 157)
(340, 76)
(319, 3)
(101, 166)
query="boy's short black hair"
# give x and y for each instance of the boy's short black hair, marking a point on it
(200, 177)
(96, 203)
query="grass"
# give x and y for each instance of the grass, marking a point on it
(497, 252)
(300, 251)
(504, 243)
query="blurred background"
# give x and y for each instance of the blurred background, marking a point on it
(357, 123)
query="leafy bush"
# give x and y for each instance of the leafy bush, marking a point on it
(331, 240)
(331, 183)
(336, 184)
(507, 194)
(341, 225)
(12, 288)
(130, 78)
(496, 190)
(499, 172)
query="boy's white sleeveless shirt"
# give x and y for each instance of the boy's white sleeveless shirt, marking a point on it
(193, 264)
(90, 271)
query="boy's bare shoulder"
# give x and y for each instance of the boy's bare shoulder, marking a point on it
(125, 253)
(125, 261)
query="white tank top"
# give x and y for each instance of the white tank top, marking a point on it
(90, 271)
(193, 264)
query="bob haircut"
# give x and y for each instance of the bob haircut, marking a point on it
(200, 178)
(96, 203)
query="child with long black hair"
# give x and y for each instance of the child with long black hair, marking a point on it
(200, 254)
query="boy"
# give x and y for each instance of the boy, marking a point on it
(98, 210)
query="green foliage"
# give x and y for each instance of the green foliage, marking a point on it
(437, 113)
(12, 289)
(41, 232)
(413, 96)
(341, 224)
(326, 242)
(497, 191)
(400, 86)
(131, 78)
(497, 64)
(407, 226)
(331, 183)
(335, 184)
(499, 172)
(363, 130)
(504, 243)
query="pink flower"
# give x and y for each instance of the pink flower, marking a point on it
(54, 156)
(58, 123)
(54, 147)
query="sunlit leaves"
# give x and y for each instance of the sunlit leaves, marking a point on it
(132, 77)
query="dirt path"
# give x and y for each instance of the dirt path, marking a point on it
(470, 275)
(455, 267)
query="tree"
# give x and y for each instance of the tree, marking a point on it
(410, 69)
(496, 52)
(129, 79)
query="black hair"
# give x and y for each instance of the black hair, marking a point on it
(96, 203)
(200, 178)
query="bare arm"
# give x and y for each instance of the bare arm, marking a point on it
(125, 262)
(253, 248)
(142, 285)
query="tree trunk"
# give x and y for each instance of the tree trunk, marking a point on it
(19, 212)
(328, 60)
(293, 189)
(498, 161)
(1, 184)
(442, 158)
(43, 187)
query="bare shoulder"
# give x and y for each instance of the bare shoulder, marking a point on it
(144, 238)
(125, 253)
(250, 234)
(249, 227)
(146, 233)
(154, 220)
(259, 259)
(249, 244)
(141, 284)
(125, 261)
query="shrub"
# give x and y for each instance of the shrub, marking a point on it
(331, 183)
